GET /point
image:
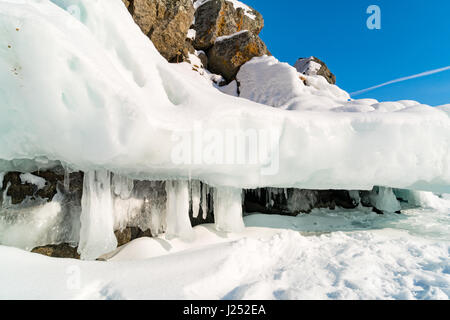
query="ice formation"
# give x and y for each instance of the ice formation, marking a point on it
(37, 222)
(228, 209)
(97, 219)
(195, 197)
(178, 224)
(384, 199)
(32, 179)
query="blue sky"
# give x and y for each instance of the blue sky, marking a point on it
(414, 38)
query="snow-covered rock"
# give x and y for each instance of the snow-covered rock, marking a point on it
(312, 66)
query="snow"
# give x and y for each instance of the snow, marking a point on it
(247, 10)
(32, 179)
(307, 66)
(230, 89)
(191, 34)
(341, 254)
(108, 91)
(222, 38)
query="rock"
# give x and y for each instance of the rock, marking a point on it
(166, 23)
(216, 18)
(313, 66)
(19, 191)
(129, 234)
(274, 201)
(229, 53)
(58, 251)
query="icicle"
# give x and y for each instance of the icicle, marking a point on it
(2, 175)
(97, 217)
(122, 186)
(204, 200)
(6, 201)
(66, 180)
(285, 193)
(195, 197)
(228, 209)
(157, 210)
(177, 212)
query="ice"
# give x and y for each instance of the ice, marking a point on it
(107, 90)
(66, 179)
(205, 194)
(424, 199)
(32, 179)
(139, 204)
(228, 209)
(2, 176)
(27, 228)
(97, 216)
(36, 222)
(195, 197)
(122, 186)
(384, 199)
(177, 216)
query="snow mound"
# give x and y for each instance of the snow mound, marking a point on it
(97, 95)
(307, 66)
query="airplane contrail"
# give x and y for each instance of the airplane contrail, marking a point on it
(423, 74)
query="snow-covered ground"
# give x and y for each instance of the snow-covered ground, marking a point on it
(341, 254)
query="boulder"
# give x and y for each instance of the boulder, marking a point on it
(313, 66)
(166, 23)
(216, 18)
(229, 53)
(58, 251)
(129, 234)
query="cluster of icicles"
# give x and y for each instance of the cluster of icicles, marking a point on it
(108, 203)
